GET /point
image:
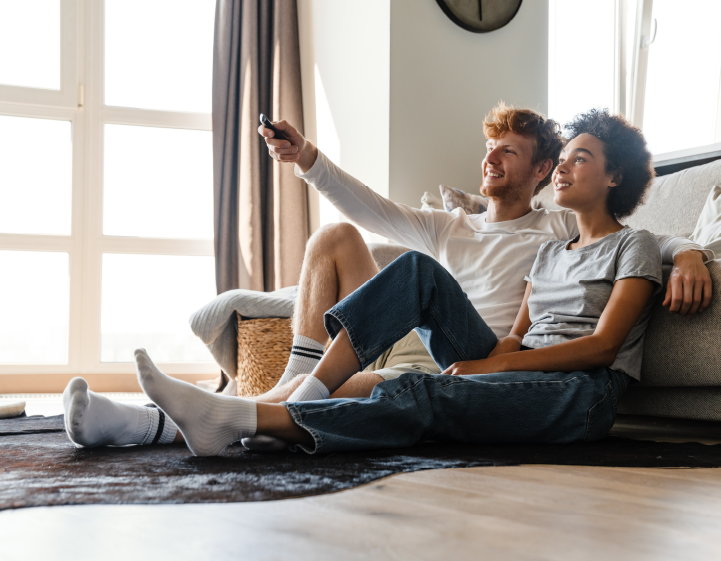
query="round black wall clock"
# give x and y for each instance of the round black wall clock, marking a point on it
(480, 16)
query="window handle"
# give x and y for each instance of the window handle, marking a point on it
(647, 42)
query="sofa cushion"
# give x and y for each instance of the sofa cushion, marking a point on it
(680, 351)
(384, 253)
(674, 202)
(700, 404)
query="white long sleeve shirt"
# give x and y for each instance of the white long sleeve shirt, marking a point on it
(489, 260)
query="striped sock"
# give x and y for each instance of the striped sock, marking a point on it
(304, 357)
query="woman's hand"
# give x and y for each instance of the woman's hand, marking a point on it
(506, 345)
(468, 367)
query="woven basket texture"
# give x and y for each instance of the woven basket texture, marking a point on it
(264, 347)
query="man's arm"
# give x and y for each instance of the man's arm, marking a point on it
(689, 287)
(411, 227)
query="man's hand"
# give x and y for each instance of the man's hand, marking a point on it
(506, 345)
(295, 150)
(689, 286)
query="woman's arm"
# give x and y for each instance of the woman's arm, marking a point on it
(627, 301)
(512, 343)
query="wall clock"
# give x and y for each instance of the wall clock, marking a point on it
(480, 16)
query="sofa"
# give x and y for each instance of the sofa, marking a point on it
(681, 372)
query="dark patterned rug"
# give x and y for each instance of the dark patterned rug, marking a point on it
(39, 467)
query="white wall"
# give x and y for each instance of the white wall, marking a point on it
(444, 80)
(345, 65)
(395, 92)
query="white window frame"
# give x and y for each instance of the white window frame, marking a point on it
(82, 103)
(629, 98)
(67, 95)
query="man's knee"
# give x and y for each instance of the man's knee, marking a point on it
(334, 238)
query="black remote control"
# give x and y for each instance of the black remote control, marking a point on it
(268, 125)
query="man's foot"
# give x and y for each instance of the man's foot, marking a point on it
(94, 420)
(209, 422)
(263, 443)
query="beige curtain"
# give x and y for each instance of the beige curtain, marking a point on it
(261, 222)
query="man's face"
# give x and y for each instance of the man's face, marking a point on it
(508, 174)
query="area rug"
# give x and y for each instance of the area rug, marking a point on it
(40, 467)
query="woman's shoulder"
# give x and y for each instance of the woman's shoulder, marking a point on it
(553, 245)
(633, 236)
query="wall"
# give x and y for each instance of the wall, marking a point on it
(395, 92)
(345, 65)
(444, 79)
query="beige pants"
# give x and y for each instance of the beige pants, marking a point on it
(407, 355)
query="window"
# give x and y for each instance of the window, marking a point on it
(647, 59)
(106, 191)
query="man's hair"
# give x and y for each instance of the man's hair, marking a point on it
(627, 157)
(545, 132)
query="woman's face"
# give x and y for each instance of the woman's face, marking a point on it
(580, 180)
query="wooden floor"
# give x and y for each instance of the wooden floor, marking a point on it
(507, 513)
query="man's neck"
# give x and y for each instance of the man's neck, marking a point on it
(500, 211)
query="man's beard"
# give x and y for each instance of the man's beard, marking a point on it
(509, 194)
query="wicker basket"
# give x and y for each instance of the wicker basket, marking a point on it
(264, 347)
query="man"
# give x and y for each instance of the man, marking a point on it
(488, 254)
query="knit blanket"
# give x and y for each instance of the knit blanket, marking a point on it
(216, 323)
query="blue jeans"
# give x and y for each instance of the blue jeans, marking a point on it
(415, 291)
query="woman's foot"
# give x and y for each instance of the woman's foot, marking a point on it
(94, 420)
(209, 422)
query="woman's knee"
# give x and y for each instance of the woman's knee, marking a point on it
(419, 261)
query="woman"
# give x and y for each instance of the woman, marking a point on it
(575, 345)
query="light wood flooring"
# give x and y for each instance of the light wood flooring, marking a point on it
(508, 513)
(502, 513)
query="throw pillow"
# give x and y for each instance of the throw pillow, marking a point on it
(708, 228)
(429, 201)
(455, 198)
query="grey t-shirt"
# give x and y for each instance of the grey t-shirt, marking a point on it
(572, 287)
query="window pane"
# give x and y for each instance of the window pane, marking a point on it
(147, 301)
(34, 307)
(158, 182)
(581, 65)
(682, 84)
(35, 176)
(162, 59)
(30, 43)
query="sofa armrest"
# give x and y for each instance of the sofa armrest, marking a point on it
(384, 253)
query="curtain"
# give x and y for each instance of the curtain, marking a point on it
(260, 206)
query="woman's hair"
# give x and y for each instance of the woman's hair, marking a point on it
(545, 132)
(627, 157)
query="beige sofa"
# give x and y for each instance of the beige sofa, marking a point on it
(681, 373)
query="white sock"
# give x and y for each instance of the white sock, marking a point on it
(94, 420)
(209, 422)
(304, 356)
(312, 389)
